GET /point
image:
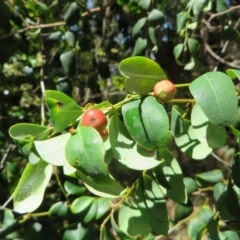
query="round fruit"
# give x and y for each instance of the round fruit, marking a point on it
(94, 118)
(104, 135)
(164, 90)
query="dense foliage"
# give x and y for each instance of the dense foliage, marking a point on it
(162, 170)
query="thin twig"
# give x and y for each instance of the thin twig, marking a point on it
(220, 160)
(224, 12)
(49, 25)
(5, 155)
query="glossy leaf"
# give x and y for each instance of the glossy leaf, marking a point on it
(81, 204)
(144, 4)
(205, 214)
(104, 205)
(150, 133)
(212, 176)
(182, 211)
(68, 61)
(59, 209)
(140, 46)
(236, 165)
(233, 73)
(160, 176)
(228, 235)
(53, 150)
(53, 36)
(232, 200)
(196, 228)
(78, 233)
(138, 25)
(151, 203)
(23, 135)
(91, 213)
(142, 74)
(63, 110)
(190, 185)
(132, 221)
(156, 16)
(220, 197)
(72, 15)
(177, 122)
(181, 20)
(110, 188)
(126, 150)
(29, 192)
(193, 45)
(173, 174)
(216, 96)
(70, 38)
(189, 144)
(73, 189)
(207, 133)
(85, 151)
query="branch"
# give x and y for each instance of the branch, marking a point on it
(49, 25)
(224, 12)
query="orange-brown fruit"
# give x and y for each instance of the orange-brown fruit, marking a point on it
(104, 135)
(94, 118)
(164, 90)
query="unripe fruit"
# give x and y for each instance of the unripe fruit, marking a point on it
(104, 135)
(94, 118)
(164, 90)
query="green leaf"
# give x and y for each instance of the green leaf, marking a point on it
(181, 20)
(53, 36)
(207, 133)
(91, 213)
(70, 38)
(152, 35)
(144, 4)
(140, 46)
(151, 203)
(212, 176)
(8, 219)
(24, 134)
(110, 188)
(149, 132)
(189, 144)
(205, 214)
(177, 51)
(126, 150)
(232, 200)
(85, 151)
(173, 174)
(104, 205)
(121, 234)
(233, 73)
(190, 185)
(68, 62)
(156, 16)
(196, 228)
(72, 15)
(182, 211)
(142, 74)
(228, 235)
(216, 96)
(29, 192)
(73, 189)
(138, 26)
(131, 220)
(63, 109)
(193, 45)
(59, 209)
(221, 6)
(219, 194)
(236, 164)
(53, 150)
(76, 234)
(177, 122)
(81, 204)
(159, 175)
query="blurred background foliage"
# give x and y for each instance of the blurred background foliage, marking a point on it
(75, 47)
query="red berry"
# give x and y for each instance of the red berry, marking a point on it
(104, 135)
(94, 118)
(164, 90)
